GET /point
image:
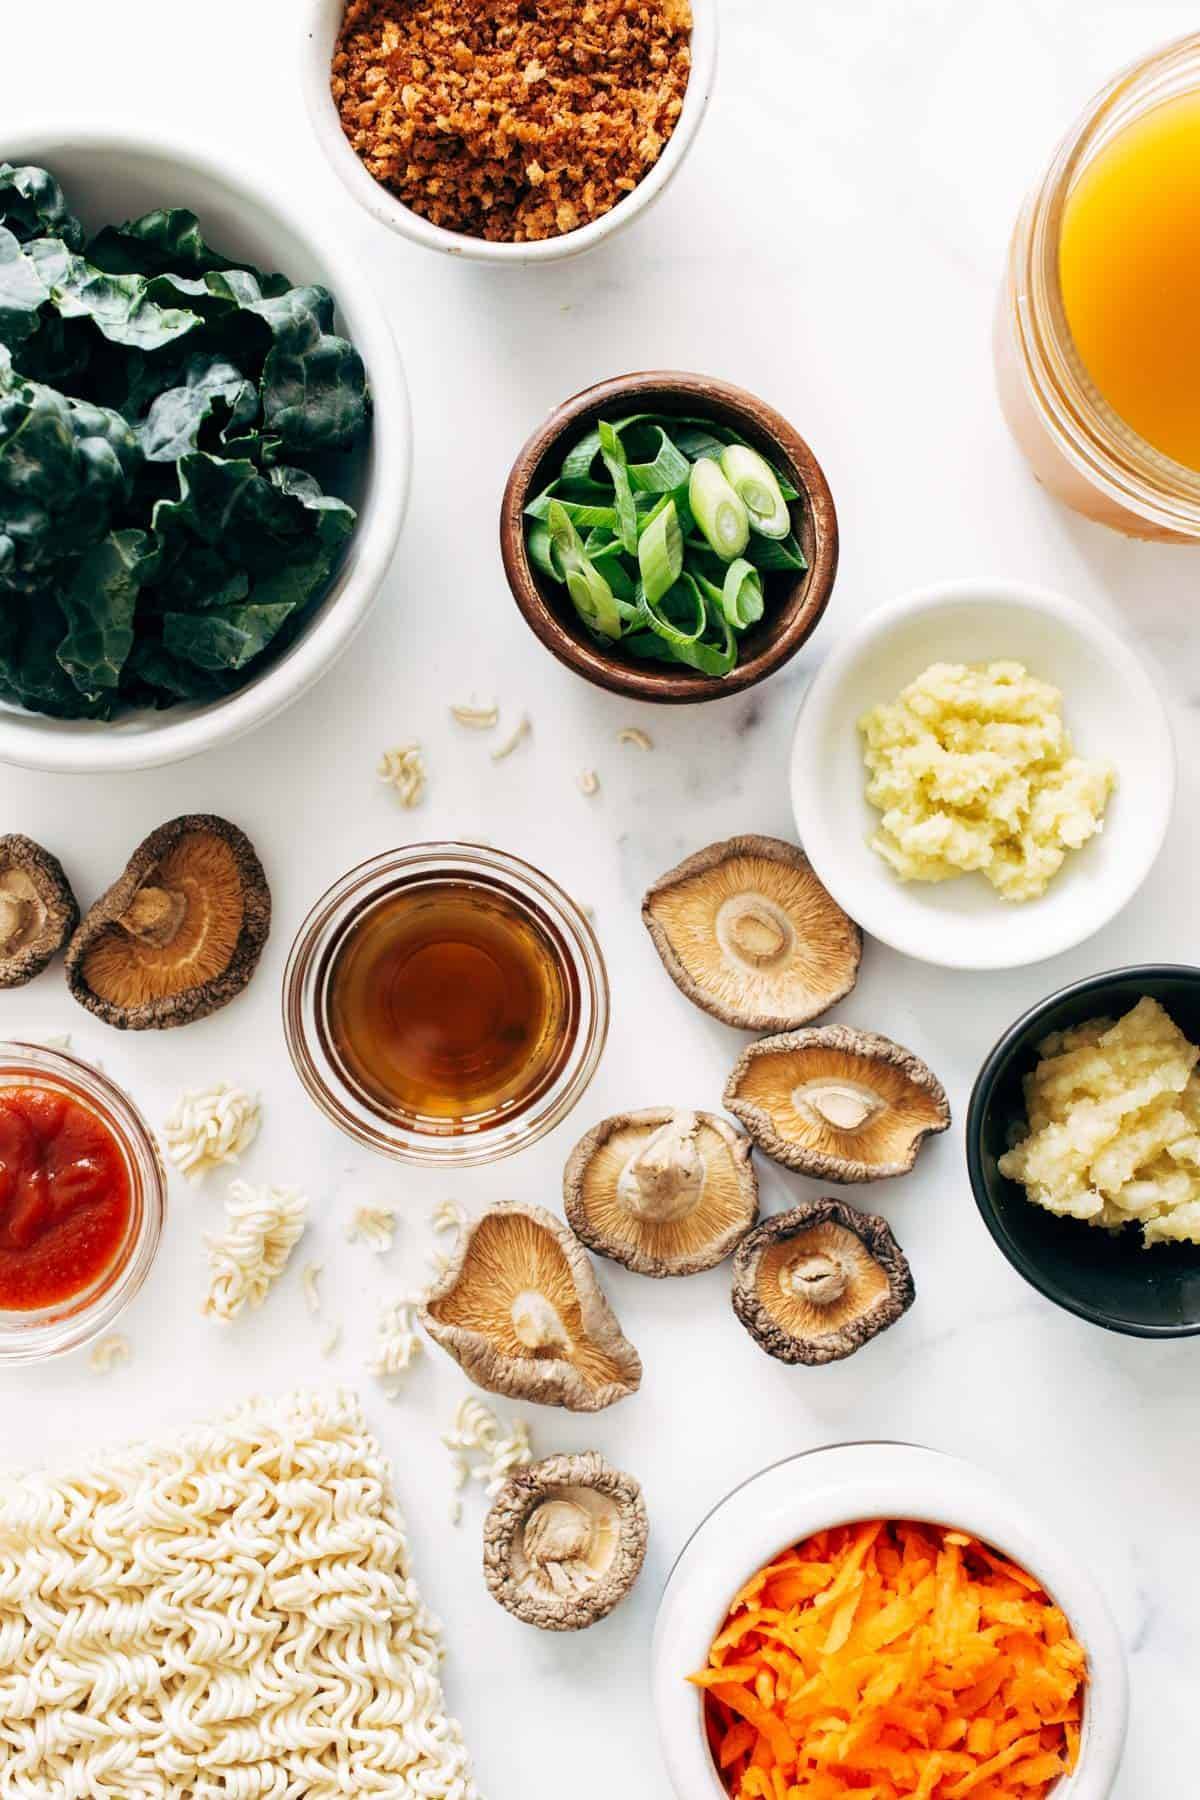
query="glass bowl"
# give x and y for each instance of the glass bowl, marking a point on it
(349, 1104)
(31, 1336)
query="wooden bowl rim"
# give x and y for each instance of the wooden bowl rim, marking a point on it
(802, 604)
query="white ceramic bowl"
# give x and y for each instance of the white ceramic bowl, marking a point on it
(110, 176)
(1112, 707)
(322, 24)
(836, 1486)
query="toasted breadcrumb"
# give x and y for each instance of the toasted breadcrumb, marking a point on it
(510, 121)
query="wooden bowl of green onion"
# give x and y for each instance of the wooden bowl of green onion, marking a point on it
(669, 537)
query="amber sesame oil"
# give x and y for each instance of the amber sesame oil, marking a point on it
(451, 1003)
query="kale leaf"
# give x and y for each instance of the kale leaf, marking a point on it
(32, 205)
(155, 546)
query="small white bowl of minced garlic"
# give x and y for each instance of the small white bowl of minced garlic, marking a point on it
(982, 774)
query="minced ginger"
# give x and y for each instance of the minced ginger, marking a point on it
(973, 769)
(1114, 1126)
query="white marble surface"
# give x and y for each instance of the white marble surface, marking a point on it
(835, 243)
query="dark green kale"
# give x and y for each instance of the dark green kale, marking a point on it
(155, 546)
(32, 206)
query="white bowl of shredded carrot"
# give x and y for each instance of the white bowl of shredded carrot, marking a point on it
(880, 1621)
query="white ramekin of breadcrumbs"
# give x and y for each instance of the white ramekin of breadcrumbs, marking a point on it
(505, 131)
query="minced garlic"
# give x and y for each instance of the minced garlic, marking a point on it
(973, 769)
(1114, 1126)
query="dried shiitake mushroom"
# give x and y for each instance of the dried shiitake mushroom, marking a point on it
(521, 1310)
(837, 1104)
(665, 1192)
(179, 934)
(816, 1283)
(38, 911)
(747, 932)
(564, 1541)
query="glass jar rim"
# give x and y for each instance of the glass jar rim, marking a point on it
(1102, 448)
(324, 926)
(33, 1336)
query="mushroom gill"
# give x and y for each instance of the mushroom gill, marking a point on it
(37, 909)
(663, 1191)
(179, 934)
(747, 931)
(836, 1103)
(564, 1541)
(814, 1284)
(521, 1311)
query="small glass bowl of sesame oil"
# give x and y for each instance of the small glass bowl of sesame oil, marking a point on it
(445, 1004)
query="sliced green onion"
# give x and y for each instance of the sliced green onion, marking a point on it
(773, 554)
(613, 452)
(660, 553)
(670, 468)
(584, 513)
(717, 510)
(541, 550)
(611, 563)
(653, 619)
(753, 480)
(742, 594)
(577, 464)
(590, 593)
(706, 658)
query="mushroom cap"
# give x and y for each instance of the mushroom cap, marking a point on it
(837, 1104)
(747, 931)
(522, 1313)
(664, 1191)
(816, 1283)
(564, 1541)
(179, 933)
(38, 911)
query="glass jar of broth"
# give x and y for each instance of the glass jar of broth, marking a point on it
(446, 1004)
(1097, 348)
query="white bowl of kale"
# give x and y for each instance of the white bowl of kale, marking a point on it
(204, 462)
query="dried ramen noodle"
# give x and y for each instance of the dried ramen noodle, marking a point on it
(228, 1616)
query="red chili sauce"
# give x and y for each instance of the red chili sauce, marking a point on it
(64, 1198)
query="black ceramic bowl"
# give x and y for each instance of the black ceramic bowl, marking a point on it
(1107, 1277)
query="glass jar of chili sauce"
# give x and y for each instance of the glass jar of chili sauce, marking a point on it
(82, 1202)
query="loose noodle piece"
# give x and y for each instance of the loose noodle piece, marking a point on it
(478, 1432)
(404, 769)
(211, 1126)
(375, 1225)
(110, 1351)
(262, 1227)
(310, 1281)
(397, 1346)
(227, 1616)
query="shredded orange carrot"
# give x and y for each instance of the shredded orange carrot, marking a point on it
(893, 1661)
